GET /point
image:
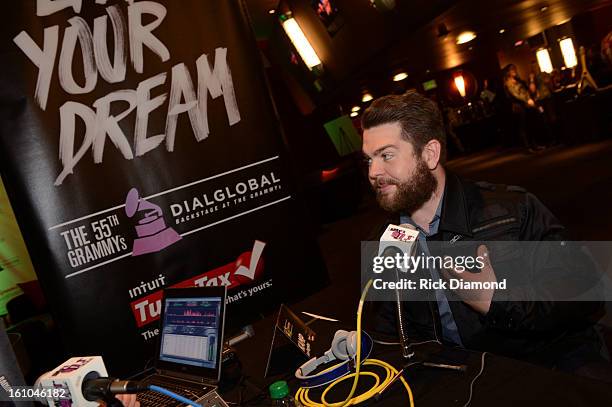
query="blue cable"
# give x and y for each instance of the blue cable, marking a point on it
(173, 395)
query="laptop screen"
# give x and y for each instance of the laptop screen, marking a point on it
(192, 330)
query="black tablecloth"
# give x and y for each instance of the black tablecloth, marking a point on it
(504, 382)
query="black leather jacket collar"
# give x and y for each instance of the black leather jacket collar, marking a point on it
(455, 217)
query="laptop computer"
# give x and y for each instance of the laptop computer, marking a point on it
(190, 345)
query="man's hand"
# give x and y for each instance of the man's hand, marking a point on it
(480, 300)
(128, 400)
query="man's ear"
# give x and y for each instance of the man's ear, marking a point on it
(431, 154)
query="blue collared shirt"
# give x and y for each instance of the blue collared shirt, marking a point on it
(449, 328)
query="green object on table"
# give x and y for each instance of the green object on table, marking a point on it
(278, 390)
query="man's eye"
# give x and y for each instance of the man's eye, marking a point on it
(387, 156)
(367, 161)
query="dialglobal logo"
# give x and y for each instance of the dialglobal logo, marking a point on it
(222, 198)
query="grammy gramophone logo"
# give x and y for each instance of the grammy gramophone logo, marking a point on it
(153, 234)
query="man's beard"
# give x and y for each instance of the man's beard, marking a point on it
(410, 195)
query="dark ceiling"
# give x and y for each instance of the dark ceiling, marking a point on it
(373, 44)
(518, 19)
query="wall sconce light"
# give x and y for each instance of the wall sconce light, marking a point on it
(300, 42)
(355, 108)
(544, 60)
(366, 97)
(353, 114)
(459, 83)
(569, 53)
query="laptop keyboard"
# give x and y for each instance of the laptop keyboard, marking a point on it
(153, 399)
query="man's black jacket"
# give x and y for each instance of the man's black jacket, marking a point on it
(552, 333)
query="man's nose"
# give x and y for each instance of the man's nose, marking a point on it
(375, 170)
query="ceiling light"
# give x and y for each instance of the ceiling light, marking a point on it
(502, 30)
(300, 42)
(400, 76)
(354, 114)
(356, 108)
(569, 53)
(544, 8)
(366, 97)
(465, 37)
(271, 11)
(518, 43)
(544, 60)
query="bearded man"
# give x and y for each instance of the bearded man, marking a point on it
(404, 145)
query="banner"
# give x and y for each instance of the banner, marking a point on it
(140, 150)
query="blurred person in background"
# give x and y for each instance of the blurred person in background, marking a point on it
(520, 101)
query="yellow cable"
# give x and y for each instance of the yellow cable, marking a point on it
(303, 397)
(357, 399)
(302, 393)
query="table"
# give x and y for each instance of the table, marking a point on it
(504, 382)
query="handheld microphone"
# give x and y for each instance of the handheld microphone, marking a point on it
(104, 387)
(83, 381)
(69, 379)
(399, 240)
